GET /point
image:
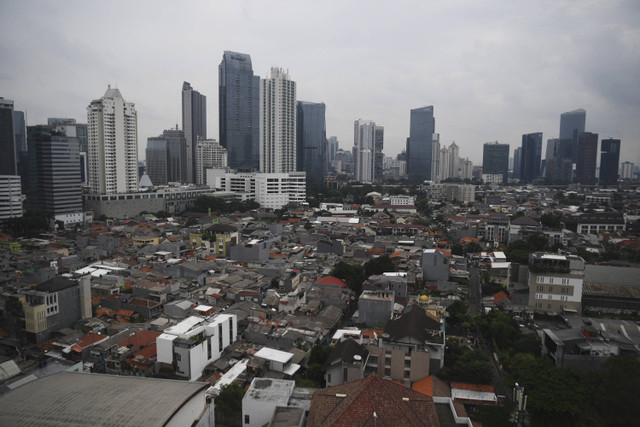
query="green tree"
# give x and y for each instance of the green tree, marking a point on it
(616, 388)
(191, 221)
(352, 274)
(229, 400)
(378, 265)
(551, 220)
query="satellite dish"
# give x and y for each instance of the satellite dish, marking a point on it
(357, 357)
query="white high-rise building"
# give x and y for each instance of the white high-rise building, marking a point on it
(112, 139)
(466, 169)
(626, 170)
(277, 123)
(435, 158)
(445, 163)
(209, 154)
(454, 161)
(364, 133)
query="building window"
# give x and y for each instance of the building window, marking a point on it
(246, 419)
(329, 378)
(345, 375)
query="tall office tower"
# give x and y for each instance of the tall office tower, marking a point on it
(332, 148)
(194, 125)
(53, 184)
(435, 158)
(466, 169)
(495, 160)
(517, 158)
(166, 157)
(587, 156)
(209, 155)
(239, 102)
(609, 161)
(8, 160)
(445, 163)
(531, 154)
(70, 128)
(277, 123)
(558, 165)
(571, 126)
(421, 129)
(20, 132)
(112, 139)
(311, 140)
(378, 155)
(364, 135)
(454, 160)
(626, 170)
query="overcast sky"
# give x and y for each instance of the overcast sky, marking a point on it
(493, 70)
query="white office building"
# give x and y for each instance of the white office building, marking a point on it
(195, 342)
(364, 133)
(11, 197)
(112, 138)
(271, 190)
(209, 155)
(277, 123)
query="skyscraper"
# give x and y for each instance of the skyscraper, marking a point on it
(364, 134)
(517, 159)
(277, 123)
(8, 162)
(531, 155)
(454, 160)
(378, 155)
(435, 157)
(587, 156)
(194, 125)
(571, 126)
(609, 161)
(239, 102)
(558, 168)
(495, 160)
(112, 138)
(332, 150)
(421, 129)
(53, 184)
(20, 132)
(311, 140)
(166, 157)
(445, 163)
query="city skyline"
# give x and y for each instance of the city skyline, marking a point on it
(468, 70)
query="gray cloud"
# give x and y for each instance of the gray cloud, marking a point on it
(493, 70)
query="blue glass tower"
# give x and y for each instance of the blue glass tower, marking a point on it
(421, 130)
(239, 102)
(530, 157)
(311, 140)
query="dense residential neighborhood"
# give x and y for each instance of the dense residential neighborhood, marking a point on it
(455, 311)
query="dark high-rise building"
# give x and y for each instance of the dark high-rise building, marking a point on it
(558, 163)
(517, 158)
(53, 183)
(421, 129)
(378, 155)
(609, 161)
(530, 157)
(20, 132)
(239, 102)
(311, 140)
(8, 160)
(571, 126)
(587, 156)
(166, 157)
(194, 125)
(495, 159)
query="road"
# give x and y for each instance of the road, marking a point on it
(475, 294)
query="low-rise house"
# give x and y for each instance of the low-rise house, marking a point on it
(278, 361)
(375, 307)
(346, 362)
(195, 342)
(556, 282)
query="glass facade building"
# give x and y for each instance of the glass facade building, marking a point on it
(239, 109)
(194, 126)
(8, 160)
(571, 126)
(495, 159)
(587, 156)
(530, 157)
(421, 130)
(311, 140)
(609, 161)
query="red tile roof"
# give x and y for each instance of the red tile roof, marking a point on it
(330, 280)
(140, 339)
(432, 386)
(502, 295)
(372, 400)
